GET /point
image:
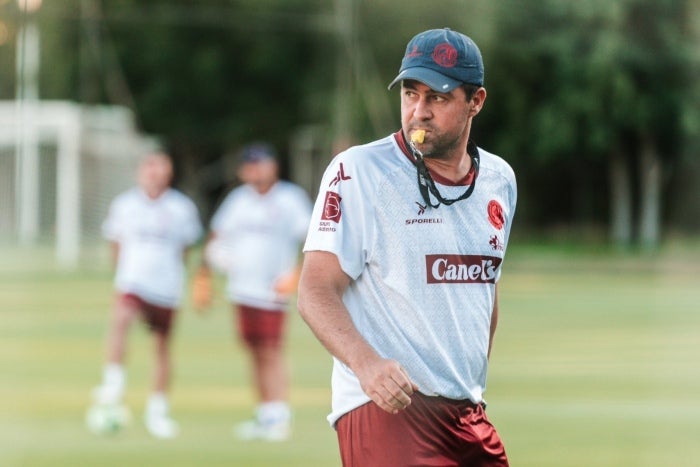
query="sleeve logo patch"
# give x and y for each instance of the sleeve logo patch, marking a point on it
(331, 207)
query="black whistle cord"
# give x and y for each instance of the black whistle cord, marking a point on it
(426, 184)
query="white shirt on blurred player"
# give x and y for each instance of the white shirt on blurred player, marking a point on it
(423, 279)
(257, 240)
(152, 235)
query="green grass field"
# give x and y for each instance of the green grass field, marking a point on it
(595, 364)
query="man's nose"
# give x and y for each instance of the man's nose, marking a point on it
(422, 109)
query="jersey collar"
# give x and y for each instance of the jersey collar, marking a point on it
(403, 145)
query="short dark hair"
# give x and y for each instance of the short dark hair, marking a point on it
(470, 89)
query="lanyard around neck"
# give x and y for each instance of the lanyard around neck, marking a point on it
(426, 184)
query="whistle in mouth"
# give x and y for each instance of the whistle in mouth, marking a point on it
(418, 136)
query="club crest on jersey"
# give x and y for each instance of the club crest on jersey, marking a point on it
(461, 269)
(495, 213)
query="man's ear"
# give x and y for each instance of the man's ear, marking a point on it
(476, 103)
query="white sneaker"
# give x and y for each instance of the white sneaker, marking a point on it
(254, 430)
(162, 427)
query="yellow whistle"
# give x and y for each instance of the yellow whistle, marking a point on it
(418, 136)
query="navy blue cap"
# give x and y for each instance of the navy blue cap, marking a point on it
(258, 152)
(442, 59)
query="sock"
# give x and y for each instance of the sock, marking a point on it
(157, 405)
(273, 412)
(113, 376)
(113, 383)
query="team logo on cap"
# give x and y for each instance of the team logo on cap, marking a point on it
(414, 52)
(445, 55)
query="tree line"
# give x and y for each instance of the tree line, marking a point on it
(593, 103)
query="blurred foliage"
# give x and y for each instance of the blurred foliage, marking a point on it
(581, 80)
(568, 81)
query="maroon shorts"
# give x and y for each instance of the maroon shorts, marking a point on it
(258, 326)
(159, 319)
(432, 431)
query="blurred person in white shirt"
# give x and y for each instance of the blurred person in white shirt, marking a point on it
(255, 240)
(150, 227)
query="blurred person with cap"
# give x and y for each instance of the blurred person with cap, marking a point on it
(150, 228)
(255, 240)
(402, 260)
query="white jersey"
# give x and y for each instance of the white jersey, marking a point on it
(257, 241)
(423, 278)
(152, 235)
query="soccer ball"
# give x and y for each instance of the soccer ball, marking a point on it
(107, 419)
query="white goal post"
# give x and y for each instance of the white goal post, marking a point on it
(60, 165)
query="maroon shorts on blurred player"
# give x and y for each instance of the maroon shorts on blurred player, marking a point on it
(158, 319)
(259, 326)
(432, 431)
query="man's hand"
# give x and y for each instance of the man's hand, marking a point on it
(387, 383)
(202, 289)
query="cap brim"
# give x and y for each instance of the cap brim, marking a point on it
(431, 78)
